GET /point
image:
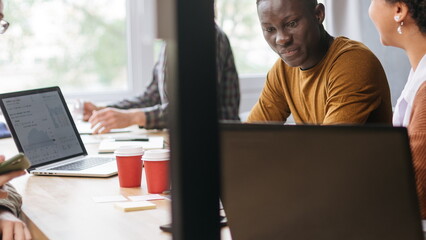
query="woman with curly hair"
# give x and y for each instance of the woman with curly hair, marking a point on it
(402, 24)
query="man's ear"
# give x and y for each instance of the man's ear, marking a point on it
(319, 12)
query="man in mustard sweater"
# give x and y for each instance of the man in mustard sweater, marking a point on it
(318, 79)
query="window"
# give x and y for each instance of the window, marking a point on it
(82, 46)
(239, 20)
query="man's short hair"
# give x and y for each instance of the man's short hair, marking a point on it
(310, 3)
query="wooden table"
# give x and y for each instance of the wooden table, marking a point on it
(63, 208)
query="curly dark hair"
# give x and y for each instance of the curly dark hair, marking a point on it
(417, 10)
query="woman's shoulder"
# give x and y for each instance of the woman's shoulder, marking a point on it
(418, 112)
(421, 93)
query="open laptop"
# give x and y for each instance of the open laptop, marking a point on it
(318, 182)
(43, 129)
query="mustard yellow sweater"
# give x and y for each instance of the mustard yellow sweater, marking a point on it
(347, 86)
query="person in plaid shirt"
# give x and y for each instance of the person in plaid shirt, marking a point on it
(149, 110)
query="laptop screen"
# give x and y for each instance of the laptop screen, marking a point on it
(41, 125)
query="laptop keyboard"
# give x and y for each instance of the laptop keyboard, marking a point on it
(83, 164)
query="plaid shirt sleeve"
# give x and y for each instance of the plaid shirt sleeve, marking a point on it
(156, 116)
(228, 82)
(152, 102)
(149, 98)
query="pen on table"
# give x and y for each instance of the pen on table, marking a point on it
(132, 140)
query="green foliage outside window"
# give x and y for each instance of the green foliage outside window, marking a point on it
(76, 44)
(239, 20)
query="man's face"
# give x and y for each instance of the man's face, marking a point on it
(292, 30)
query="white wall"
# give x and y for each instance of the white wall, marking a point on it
(250, 87)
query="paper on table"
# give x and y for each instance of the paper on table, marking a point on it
(129, 137)
(135, 206)
(110, 145)
(149, 197)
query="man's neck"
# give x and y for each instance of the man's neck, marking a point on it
(325, 43)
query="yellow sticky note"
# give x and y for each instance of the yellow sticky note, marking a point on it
(135, 206)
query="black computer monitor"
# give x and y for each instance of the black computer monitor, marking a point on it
(318, 182)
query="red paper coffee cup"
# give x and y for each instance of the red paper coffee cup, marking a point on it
(129, 164)
(156, 163)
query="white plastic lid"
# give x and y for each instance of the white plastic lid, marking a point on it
(129, 150)
(156, 155)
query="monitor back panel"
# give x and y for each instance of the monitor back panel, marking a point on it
(318, 182)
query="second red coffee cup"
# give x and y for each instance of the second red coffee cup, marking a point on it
(156, 164)
(129, 164)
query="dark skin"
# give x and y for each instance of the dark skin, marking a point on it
(293, 29)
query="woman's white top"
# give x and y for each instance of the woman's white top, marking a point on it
(401, 116)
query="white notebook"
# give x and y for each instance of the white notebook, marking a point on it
(110, 145)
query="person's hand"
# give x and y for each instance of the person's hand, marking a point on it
(88, 108)
(104, 120)
(12, 228)
(4, 178)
